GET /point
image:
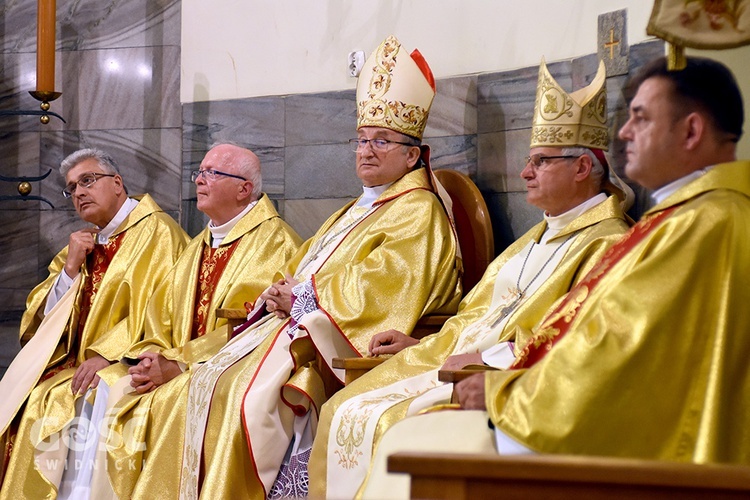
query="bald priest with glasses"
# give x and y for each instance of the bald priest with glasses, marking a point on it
(79, 320)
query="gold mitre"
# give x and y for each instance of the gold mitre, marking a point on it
(578, 119)
(395, 90)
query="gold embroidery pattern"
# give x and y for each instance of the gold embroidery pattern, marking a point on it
(483, 326)
(354, 420)
(213, 263)
(97, 262)
(552, 95)
(378, 111)
(566, 120)
(720, 14)
(202, 383)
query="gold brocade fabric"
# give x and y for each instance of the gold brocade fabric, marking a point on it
(151, 243)
(396, 265)
(264, 243)
(213, 262)
(98, 262)
(599, 228)
(655, 363)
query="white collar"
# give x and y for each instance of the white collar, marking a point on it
(371, 194)
(120, 216)
(218, 233)
(556, 223)
(664, 192)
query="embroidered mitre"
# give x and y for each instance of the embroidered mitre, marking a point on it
(395, 90)
(578, 119)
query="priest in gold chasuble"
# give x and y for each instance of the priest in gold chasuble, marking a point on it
(567, 176)
(85, 315)
(226, 266)
(381, 262)
(647, 356)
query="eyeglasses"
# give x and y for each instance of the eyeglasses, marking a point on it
(377, 145)
(538, 160)
(210, 175)
(87, 180)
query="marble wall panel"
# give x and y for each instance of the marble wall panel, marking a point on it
(9, 345)
(253, 123)
(500, 160)
(55, 227)
(328, 118)
(511, 217)
(19, 241)
(193, 220)
(86, 24)
(149, 159)
(505, 101)
(89, 24)
(120, 88)
(18, 26)
(18, 77)
(272, 170)
(454, 152)
(320, 171)
(306, 216)
(454, 110)
(19, 157)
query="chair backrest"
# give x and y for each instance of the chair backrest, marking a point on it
(473, 225)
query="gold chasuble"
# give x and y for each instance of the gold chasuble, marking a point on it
(654, 361)
(262, 243)
(353, 420)
(147, 244)
(243, 265)
(381, 268)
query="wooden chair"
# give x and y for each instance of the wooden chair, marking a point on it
(234, 317)
(464, 476)
(473, 225)
(474, 230)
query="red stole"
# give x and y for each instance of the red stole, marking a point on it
(97, 263)
(213, 263)
(557, 323)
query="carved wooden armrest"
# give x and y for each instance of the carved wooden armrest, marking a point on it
(356, 367)
(464, 476)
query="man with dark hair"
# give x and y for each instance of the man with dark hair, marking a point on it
(647, 356)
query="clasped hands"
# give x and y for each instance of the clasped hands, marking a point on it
(278, 297)
(152, 371)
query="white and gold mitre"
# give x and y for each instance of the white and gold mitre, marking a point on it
(567, 120)
(395, 90)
